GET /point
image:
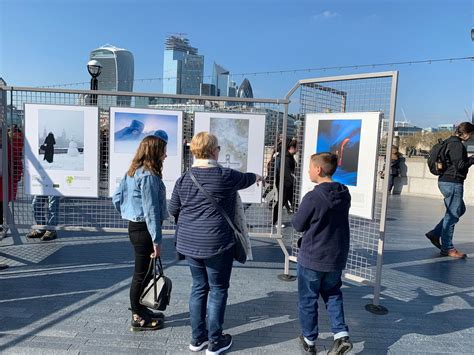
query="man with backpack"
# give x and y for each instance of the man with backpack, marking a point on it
(449, 160)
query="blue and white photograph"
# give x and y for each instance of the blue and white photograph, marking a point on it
(61, 139)
(130, 128)
(341, 137)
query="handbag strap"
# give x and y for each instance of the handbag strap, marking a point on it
(152, 268)
(213, 201)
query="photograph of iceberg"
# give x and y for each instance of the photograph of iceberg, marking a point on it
(131, 128)
(61, 139)
(233, 137)
(341, 137)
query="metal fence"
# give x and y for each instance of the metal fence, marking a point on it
(98, 213)
(355, 93)
(374, 92)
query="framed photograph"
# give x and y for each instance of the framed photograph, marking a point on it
(128, 126)
(61, 150)
(241, 138)
(353, 137)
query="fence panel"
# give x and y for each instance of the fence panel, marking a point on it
(98, 213)
(371, 92)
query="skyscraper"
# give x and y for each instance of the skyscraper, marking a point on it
(220, 79)
(245, 89)
(117, 73)
(183, 67)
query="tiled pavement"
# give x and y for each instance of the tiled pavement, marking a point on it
(70, 296)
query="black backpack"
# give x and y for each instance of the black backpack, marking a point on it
(437, 160)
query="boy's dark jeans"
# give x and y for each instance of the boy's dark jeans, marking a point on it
(311, 284)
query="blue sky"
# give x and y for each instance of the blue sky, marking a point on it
(45, 42)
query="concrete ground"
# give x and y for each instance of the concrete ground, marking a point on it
(71, 296)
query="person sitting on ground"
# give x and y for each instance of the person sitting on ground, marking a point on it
(323, 217)
(141, 199)
(451, 185)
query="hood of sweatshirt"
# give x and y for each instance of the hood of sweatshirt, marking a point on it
(335, 194)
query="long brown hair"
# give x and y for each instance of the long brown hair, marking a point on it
(149, 156)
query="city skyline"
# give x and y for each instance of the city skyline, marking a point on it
(279, 36)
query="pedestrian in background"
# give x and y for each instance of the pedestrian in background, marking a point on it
(451, 185)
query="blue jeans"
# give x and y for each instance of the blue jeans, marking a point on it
(311, 284)
(210, 280)
(455, 208)
(43, 217)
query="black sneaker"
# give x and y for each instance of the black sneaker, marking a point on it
(341, 346)
(49, 235)
(219, 346)
(37, 233)
(198, 345)
(310, 349)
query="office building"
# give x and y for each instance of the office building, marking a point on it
(220, 79)
(183, 67)
(117, 74)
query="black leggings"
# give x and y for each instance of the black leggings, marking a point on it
(143, 247)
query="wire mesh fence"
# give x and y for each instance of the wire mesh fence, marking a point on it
(336, 95)
(61, 212)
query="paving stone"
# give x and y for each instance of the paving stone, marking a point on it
(78, 297)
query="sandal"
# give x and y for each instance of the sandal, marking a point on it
(145, 323)
(152, 314)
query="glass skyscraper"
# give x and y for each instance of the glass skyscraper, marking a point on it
(220, 79)
(117, 73)
(183, 67)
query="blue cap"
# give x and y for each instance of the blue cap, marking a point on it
(162, 135)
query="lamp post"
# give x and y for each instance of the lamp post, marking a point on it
(94, 68)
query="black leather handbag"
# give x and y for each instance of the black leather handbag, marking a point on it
(157, 293)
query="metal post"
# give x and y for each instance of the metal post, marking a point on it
(94, 86)
(375, 306)
(5, 147)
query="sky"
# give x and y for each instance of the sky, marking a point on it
(46, 42)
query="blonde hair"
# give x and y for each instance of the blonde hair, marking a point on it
(149, 156)
(203, 144)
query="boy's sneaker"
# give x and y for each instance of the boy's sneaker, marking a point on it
(219, 346)
(198, 345)
(49, 235)
(341, 346)
(37, 233)
(310, 349)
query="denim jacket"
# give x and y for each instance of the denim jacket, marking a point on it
(142, 198)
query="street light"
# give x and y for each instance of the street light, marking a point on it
(94, 68)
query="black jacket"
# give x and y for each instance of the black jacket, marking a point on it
(323, 217)
(457, 161)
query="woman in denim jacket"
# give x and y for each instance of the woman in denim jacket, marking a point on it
(141, 199)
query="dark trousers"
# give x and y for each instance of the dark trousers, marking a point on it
(287, 199)
(143, 247)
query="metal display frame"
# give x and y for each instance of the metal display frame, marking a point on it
(351, 93)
